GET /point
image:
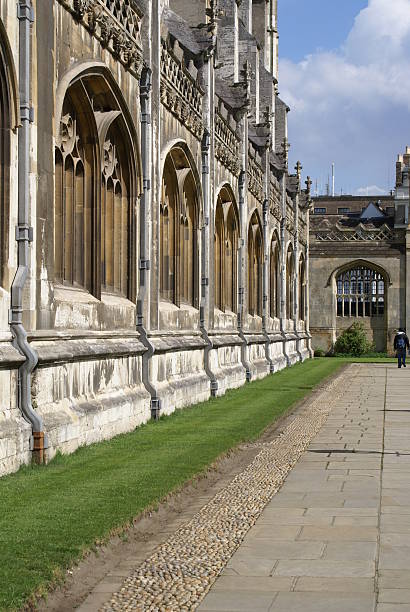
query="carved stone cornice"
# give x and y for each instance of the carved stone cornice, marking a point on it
(116, 25)
(227, 144)
(180, 93)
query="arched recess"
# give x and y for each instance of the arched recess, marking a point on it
(274, 278)
(9, 118)
(360, 291)
(361, 294)
(290, 284)
(226, 251)
(96, 187)
(255, 263)
(179, 222)
(302, 288)
(358, 262)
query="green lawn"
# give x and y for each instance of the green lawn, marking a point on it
(50, 515)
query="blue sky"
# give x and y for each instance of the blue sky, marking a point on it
(344, 71)
(308, 25)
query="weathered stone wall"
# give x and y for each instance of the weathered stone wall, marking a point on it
(325, 261)
(109, 360)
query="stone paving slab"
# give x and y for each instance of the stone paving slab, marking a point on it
(355, 504)
(334, 538)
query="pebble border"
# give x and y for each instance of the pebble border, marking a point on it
(179, 573)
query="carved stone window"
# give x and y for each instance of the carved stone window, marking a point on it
(168, 209)
(360, 292)
(179, 210)
(290, 282)
(8, 119)
(4, 170)
(188, 242)
(74, 180)
(255, 259)
(226, 252)
(274, 278)
(302, 289)
(95, 215)
(219, 257)
(115, 228)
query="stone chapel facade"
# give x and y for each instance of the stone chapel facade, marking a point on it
(154, 246)
(359, 264)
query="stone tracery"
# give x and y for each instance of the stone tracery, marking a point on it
(86, 200)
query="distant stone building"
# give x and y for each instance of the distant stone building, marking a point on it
(359, 264)
(153, 244)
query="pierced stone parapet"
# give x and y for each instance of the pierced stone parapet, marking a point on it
(180, 92)
(302, 237)
(290, 220)
(115, 24)
(274, 201)
(227, 145)
(255, 177)
(359, 234)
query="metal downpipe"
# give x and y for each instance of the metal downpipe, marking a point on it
(24, 235)
(265, 211)
(144, 262)
(246, 364)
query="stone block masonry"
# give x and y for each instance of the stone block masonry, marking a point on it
(165, 237)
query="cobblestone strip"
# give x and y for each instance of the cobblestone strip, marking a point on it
(180, 572)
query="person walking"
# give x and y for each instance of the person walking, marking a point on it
(401, 345)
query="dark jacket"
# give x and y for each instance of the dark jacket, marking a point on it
(406, 340)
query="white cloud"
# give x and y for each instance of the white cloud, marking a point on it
(353, 106)
(371, 190)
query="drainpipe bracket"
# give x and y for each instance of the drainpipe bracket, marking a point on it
(25, 11)
(34, 441)
(155, 408)
(24, 233)
(145, 264)
(15, 316)
(214, 387)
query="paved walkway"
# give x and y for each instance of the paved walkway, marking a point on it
(336, 538)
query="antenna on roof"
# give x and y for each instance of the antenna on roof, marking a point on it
(333, 179)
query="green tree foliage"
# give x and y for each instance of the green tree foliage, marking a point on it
(353, 341)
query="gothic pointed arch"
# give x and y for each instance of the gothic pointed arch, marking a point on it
(302, 288)
(361, 291)
(96, 188)
(290, 281)
(9, 118)
(218, 256)
(255, 264)
(274, 276)
(179, 221)
(226, 250)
